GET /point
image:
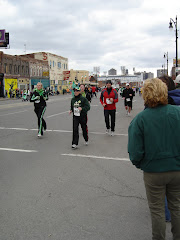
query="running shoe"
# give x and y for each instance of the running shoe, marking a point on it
(112, 133)
(86, 143)
(74, 146)
(107, 131)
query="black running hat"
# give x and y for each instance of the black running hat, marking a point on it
(108, 81)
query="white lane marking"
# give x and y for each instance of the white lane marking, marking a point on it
(99, 157)
(63, 131)
(12, 113)
(21, 129)
(56, 114)
(66, 112)
(16, 150)
(115, 134)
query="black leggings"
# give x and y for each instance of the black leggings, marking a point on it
(41, 122)
(111, 113)
(82, 120)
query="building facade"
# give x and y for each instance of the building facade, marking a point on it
(78, 76)
(146, 75)
(161, 72)
(22, 72)
(39, 72)
(121, 80)
(57, 64)
(112, 72)
(15, 70)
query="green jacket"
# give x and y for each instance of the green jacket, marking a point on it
(154, 139)
(82, 102)
(83, 94)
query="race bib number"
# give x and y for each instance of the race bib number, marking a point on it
(76, 112)
(128, 99)
(37, 101)
(108, 101)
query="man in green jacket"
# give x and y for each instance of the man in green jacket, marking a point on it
(154, 147)
(79, 107)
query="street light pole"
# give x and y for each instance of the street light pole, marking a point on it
(166, 56)
(171, 27)
(163, 69)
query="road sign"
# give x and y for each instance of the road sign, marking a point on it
(2, 35)
(66, 75)
(4, 43)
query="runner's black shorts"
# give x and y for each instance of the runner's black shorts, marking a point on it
(129, 104)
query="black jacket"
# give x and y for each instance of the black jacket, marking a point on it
(39, 99)
(126, 93)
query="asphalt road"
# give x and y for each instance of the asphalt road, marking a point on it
(49, 191)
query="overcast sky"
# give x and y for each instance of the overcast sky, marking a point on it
(104, 33)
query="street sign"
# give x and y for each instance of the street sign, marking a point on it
(4, 43)
(2, 35)
(174, 62)
(66, 75)
(177, 69)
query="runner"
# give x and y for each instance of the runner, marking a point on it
(82, 87)
(79, 106)
(39, 97)
(109, 98)
(127, 95)
(94, 91)
(85, 93)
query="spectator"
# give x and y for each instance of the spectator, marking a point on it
(154, 147)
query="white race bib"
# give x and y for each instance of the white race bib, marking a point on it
(108, 101)
(37, 101)
(76, 112)
(128, 99)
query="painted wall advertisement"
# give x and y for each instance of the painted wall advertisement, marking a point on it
(10, 85)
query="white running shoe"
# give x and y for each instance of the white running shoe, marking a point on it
(112, 133)
(86, 143)
(39, 135)
(74, 146)
(107, 131)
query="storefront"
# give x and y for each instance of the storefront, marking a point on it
(45, 83)
(2, 85)
(23, 83)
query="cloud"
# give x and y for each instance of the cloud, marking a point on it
(131, 33)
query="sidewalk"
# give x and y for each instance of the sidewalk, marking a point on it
(5, 99)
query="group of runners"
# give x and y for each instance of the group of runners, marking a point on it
(80, 105)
